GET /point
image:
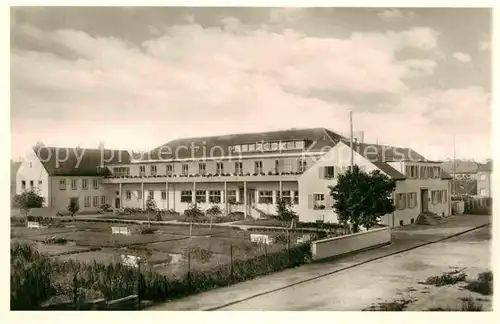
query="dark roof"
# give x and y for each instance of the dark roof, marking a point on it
(78, 161)
(487, 167)
(445, 175)
(384, 153)
(389, 170)
(316, 139)
(461, 167)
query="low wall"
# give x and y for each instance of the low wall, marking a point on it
(336, 246)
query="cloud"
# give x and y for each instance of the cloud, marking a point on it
(220, 80)
(462, 57)
(394, 14)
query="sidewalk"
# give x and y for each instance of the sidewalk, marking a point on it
(404, 239)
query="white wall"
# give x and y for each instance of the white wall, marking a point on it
(310, 182)
(31, 169)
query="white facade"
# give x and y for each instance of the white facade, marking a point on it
(32, 175)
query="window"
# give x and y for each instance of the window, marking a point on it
(142, 170)
(23, 185)
(103, 200)
(219, 167)
(290, 145)
(434, 195)
(329, 172)
(202, 167)
(277, 166)
(185, 169)
(201, 196)
(128, 195)
(85, 184)
(274, 146)
(412, 199)
(423, 172)
(444, 196)
(170, 169)
(251, 147)
(231, 196)
(266, 146)
(483, 177)
(31, 164)
(237, 148)
(238, 167)
(186, 196)
(265, 197)
(401, 223)
(62, 184)
(39, 182)
(299, 144)
(86, 201)
(32, 184)
(296, 197)
(214, 196)
(319, 201)
(163, 195)
(282, 146)
(401, 201)
(412, 220)
(436, 172)
(95, 183)
(302, 165)
(95, 201)
(482, 192)
(139, 194)
(153, 170)
(121, 172)
(258, 167)
(244, 148)
(259, 146)
(151, 194)
(412, 171)
(287, 196)
(74, 184)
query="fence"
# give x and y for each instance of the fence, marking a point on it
(475, 205)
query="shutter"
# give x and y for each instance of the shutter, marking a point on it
(321, 172)
(407, 170)
(403, 196)
(408, 198)
(335, 171)
(310, 201)
(328, 202)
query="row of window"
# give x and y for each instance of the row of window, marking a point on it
(95, 201)
(409, 200)
(215, 196)
(32, 184)
(279, 166)
(423, 172)
(74, 184)
(269, 146)
(330, 172)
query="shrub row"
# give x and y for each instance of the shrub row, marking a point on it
(35, 279)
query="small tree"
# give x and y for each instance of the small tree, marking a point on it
(284, 211)
(212, 212)
(29, 199)
(362, 198)
(73, 207)
(150, 207)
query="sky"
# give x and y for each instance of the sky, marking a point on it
(136, 78)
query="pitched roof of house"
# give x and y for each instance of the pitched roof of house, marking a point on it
(62, 161)
(461, 166)
(218, 146)
(385, 153)
(486, 167)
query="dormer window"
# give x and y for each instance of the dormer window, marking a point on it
(274, 146)
(237, 148)
(267, 146)
(290, 145)
(244, 148)
(251, 147)
(299, 144)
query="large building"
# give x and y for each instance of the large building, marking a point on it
(241, 172)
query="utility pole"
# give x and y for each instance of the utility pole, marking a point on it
(352, 141)
(453, 168)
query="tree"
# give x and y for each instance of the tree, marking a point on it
(212, 212)
(29, 199)
(362, 198)
(150, 207)
(284, 211)
(73, 207)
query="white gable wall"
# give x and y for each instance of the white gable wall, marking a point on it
(31, 169)
(310, 182)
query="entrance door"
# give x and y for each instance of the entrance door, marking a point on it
(75, 201)
(117, 203)
(251, 197)
(424, 198)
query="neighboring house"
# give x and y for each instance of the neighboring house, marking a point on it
(463, 168)
(63, 174)
(249, 172)
(484, 179)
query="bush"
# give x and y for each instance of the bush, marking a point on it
(194, 214)
(483, 284)
(197, 253)
(147, 230)
(55, 240)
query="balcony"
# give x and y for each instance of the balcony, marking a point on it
(230, 177)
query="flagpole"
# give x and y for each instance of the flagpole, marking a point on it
(453, 169)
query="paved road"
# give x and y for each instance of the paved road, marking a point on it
(328, 286)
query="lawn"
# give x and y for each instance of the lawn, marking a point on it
(260, 222)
